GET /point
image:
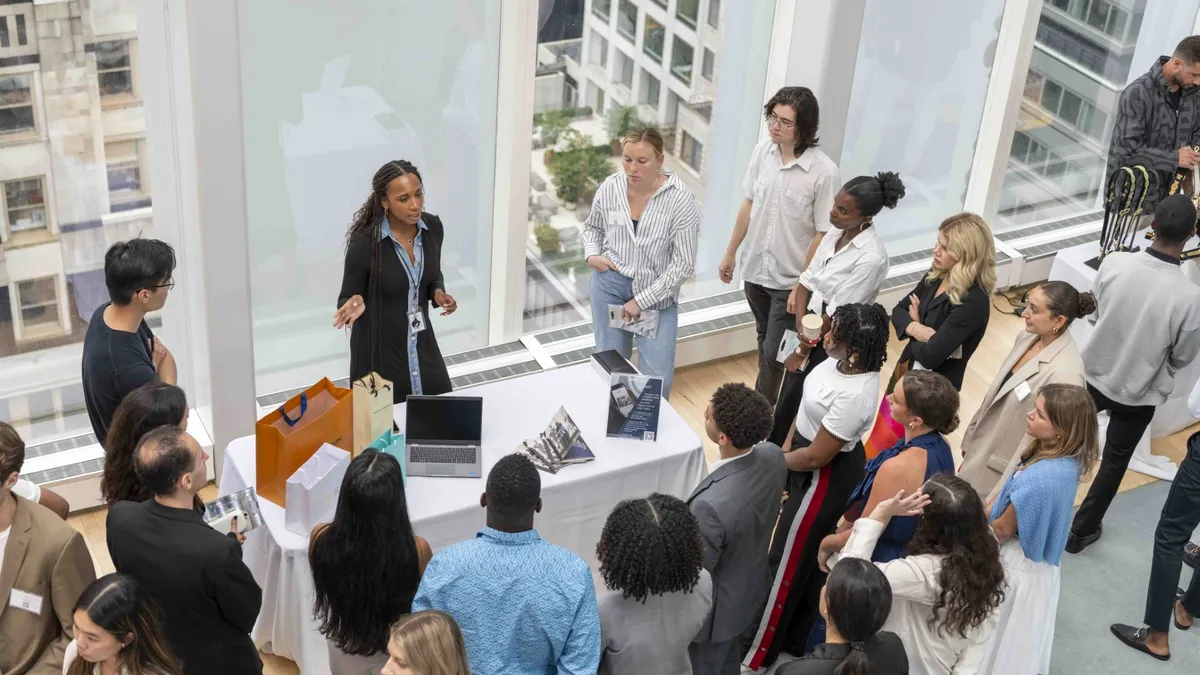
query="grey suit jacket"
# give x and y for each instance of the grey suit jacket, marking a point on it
(737, 506)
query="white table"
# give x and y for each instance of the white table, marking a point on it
(1070, 266)
(575, 502)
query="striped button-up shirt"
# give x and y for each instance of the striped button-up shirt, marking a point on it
(414, 270)
(661, 255)
(791, 204)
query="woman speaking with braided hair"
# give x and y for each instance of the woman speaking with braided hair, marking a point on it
(393, 275)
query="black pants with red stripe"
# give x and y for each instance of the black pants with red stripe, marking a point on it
(816, 501)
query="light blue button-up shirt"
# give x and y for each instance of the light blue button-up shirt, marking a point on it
(414, 270)
(524, 605)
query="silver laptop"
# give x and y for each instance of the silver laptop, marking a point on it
(443, 435)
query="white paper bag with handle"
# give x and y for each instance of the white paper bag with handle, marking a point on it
(312, 492)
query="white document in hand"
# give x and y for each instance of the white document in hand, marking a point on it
(787, 345)
(645, 325)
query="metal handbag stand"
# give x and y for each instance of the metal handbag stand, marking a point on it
(1125, 193)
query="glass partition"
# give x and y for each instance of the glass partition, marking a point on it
(915, 106)
(74, 179)
(329, 95)
(1084, 54)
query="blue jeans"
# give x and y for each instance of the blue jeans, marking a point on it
(655, 357)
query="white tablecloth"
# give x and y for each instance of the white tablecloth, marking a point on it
(1070, 266)
(575, 502)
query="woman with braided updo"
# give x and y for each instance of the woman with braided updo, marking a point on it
(393, 275)
(659, 594)
(825, 460)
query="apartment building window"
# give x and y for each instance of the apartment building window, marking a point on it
(1102, 15)
(19, 24)
(682, 55)
(653, 39)
(688, 11)
(714, 12)
(1070, 108)
(16, 104)
(624, 65)
(22, 36)
(4, 41)
(691, 151)
(650, 89)
(38, 300)
(114, 68)
(627, 20)
(25, 204)
(123, 164)
(602, 8)
(707, 64)
(599, 50)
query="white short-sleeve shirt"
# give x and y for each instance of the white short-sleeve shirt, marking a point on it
(843, 404)
(791, 204)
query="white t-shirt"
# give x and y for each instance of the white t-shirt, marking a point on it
(843, 404)
(27, 490)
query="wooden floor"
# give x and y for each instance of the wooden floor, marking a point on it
(693, 388)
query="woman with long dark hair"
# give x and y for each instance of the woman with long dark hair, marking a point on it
(658, 592)
(1031, 516)
(117, 630)
(150, 406)
(948, 585)
(392, 276)
(855, 603)
(366, 565)
(825, 460)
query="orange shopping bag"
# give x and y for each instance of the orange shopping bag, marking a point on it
(286, 437)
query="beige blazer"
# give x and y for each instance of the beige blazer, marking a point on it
(47, 558)
(996, 430)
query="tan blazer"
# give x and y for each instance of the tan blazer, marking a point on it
(49, 559)
(996, 430)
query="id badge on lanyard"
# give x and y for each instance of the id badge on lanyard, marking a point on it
(416, 321)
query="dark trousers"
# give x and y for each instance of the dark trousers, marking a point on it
(1126, 425)
(771, 319)
(716, 658)
(790, 396)
(1180, 516)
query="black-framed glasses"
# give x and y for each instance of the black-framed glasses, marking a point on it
(772, 120)
(169, 285)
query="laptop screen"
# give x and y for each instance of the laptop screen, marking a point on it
(441, 419)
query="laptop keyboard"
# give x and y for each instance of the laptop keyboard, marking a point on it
(441, 454)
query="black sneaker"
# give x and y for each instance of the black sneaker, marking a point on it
(1191, 555)
(1076, 543)
(1136, 638)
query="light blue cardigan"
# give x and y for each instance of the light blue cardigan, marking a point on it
(1043, 495)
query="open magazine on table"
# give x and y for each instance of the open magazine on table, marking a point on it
(559, 445)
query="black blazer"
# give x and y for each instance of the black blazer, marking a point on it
(885, 650)
(960, 325)
(391, 339)
(208, 598)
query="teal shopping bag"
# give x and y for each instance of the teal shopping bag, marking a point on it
(392, 444)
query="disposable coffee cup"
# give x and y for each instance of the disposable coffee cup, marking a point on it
(810, 325)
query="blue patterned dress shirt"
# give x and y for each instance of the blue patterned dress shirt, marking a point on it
(414, 270)
(525, 606)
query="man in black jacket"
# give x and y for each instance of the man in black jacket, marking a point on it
(208, 597)
(1158, 119)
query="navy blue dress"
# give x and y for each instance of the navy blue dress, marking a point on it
(899, 530)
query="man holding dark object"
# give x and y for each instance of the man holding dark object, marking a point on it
(208, 597)
(1158, 117)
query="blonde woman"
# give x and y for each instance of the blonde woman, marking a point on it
(944, 317)
(1031, 517)
(426, 643)
(1042, 354)
(640, 241)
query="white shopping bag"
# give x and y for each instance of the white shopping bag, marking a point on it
(312, 492)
